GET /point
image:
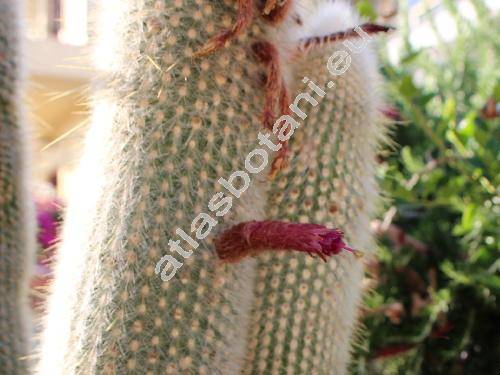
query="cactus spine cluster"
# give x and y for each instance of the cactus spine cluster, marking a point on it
(16, 212)
(167, 125)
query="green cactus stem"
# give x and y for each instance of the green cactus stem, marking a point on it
(17, 230)
(305, 312)
(166, 127)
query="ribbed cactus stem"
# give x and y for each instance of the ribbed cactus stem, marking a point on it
(166, 128)
(304, 312)
(17, 231)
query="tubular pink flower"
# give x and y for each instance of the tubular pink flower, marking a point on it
(250, 238)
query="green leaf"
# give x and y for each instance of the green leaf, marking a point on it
(468, 216)
(410, 57)
(366, 9)
(453, 138)
(466, 127)
(467, 221)
(450, 271)
(413, 165)
(449, 110)
(496, 92)
(424, 99)
(407, 87)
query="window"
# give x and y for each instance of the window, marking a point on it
(64, 20)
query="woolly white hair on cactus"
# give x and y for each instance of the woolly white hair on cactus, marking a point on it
(312, 18)
(317, 18)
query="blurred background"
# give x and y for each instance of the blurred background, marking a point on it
(432, 296)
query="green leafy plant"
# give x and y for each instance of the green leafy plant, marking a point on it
(437, 283)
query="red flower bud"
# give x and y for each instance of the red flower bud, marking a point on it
(253, 237)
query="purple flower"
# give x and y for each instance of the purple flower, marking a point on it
(47, 217)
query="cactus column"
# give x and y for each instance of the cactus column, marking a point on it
(16, 212)
(166, 127)
(305, 311)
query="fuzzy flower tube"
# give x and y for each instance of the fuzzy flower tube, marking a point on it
(166, 177)
(17, 229)
(251, 238)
